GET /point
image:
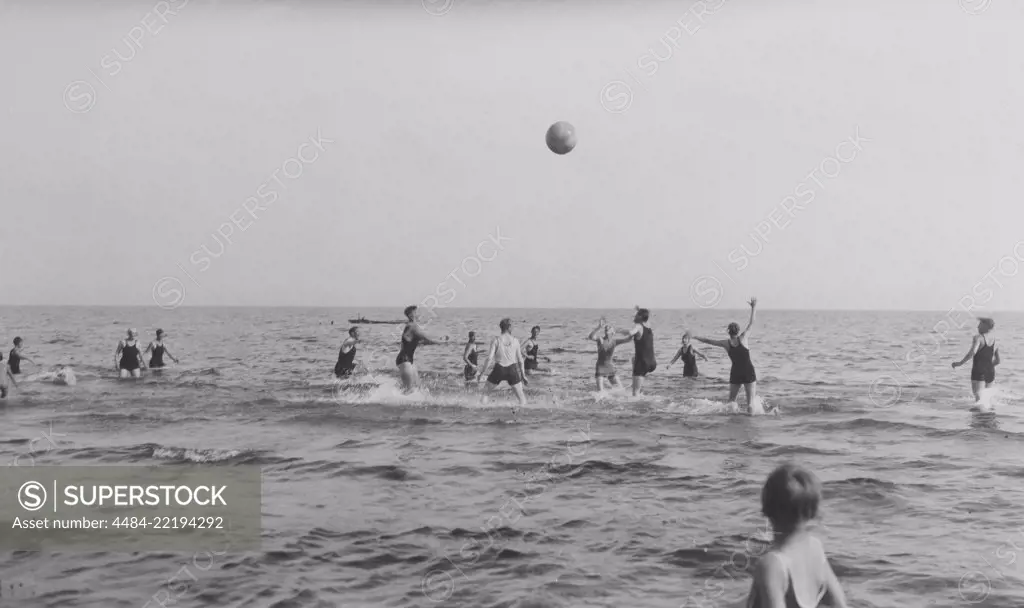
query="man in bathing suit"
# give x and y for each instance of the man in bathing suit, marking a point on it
(508, 363)
(127, 358)
(347, 355)
(412, 336)
(158, 349)
(985, 355)
(15, 358)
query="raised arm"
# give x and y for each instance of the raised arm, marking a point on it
(750, 324)
(593, 334)
(970, 353)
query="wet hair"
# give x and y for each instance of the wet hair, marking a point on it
(535, 328)
(472, 334)
(505, 325)
(352, 331)
(987, 325)
(409, 310)
(643, 314)
(734, 329)
(159, 332)
(790, 496)
(17, 341)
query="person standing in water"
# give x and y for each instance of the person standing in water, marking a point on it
(509, 364)
(127, 358)
(6, 377)
(159, 349)
(643, 340)
(412, 336)
(689, 356)
(469, 358)
(742, 373)
(347, 355)
(985, 356)
(15, 358)
(604, 336)
(530, 349)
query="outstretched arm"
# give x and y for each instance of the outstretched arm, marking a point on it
(699, 354)
(679, 353)
(721, 343)
(970, 353)
(627, 336)
(425, 338)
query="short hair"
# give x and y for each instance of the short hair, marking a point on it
(734, 329)
(535, 328)
(17, 341)
(159, 331)
(409, 309)
(987, 325)
(472, 334)
(644, 314)
(790, 496)
(687, 334)
(505, 325)
(352, 331)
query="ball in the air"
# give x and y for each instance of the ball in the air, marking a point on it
(561, 137)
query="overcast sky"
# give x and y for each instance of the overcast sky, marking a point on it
(134, 131)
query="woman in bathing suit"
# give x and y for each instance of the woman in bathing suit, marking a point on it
(985, 356)
(15, 358)
(795, 572)
(469, 358)
(159, 350)
(412, 336)
(530, 350)
(508, 363)
(742, 373)
(643, 340)
(604, 336)
(689, 356)
(127, 359)
(347, 354)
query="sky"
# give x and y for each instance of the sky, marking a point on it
(841, 154)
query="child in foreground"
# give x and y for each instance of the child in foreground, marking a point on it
(795, 572)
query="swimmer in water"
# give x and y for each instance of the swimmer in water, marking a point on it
(15, 358)
(159, 349)
(795, 572)
(986, 357)
(742, 373)
(604, 336)
(469, 356)
(689, 356)
(347, 354)
(412, 336)
(6, 378)
(530, 349)
(509, 364)
(127, 359)
(643, 340)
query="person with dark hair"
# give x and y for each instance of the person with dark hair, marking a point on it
(742, 373)
(469, 355)
(15, 358)
(795, 572)
(530, 349)
(689, 356)
(347, 354)
(159, 349)
(985, 356)
(643, 340)
(127, 358)
(507, 355)
(412, 336)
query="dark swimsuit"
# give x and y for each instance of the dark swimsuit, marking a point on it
(742, 368)
(689, 361)
(470, 371)
(643, 361)
(531, 357)
(346, 363)
(157, 360)
(130, 356)
(14, 360)
(408, 348)
(983, 367)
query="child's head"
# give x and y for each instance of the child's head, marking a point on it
(985, 325)
(686, 338)
(790, 497)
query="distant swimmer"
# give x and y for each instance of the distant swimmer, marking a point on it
(795, 571)
(604, 336)
(347, 355)
(643, 340)
(509, 364)
(15, 358)
(159, 349)
(412, 336)
(742, 373)
(530, 349)
(469, 356)
(986, 357)
(689, 356)
(127, 358)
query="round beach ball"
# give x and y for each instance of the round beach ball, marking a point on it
(561, 137)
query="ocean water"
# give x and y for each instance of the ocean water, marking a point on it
(374, 498)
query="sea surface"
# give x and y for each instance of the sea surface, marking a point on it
(372, 498)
